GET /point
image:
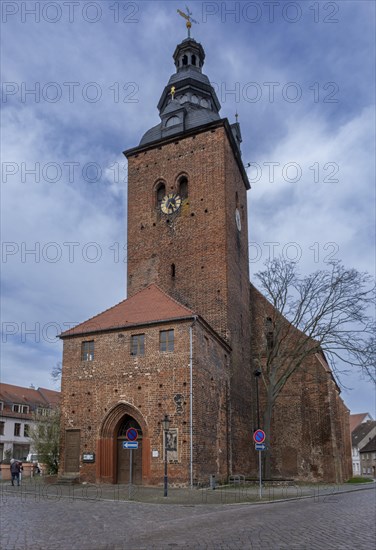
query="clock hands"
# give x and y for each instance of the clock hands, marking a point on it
(171, 203)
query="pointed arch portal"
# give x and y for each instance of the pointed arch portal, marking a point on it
(114, 461)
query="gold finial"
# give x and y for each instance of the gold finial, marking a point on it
(172, 92)
(189, 19)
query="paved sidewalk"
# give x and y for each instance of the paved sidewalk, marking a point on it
(335, 521)
(228, 494)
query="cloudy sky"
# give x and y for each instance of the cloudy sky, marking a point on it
(81, 81)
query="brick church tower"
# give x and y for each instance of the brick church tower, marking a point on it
(179, 344)
(187, 218)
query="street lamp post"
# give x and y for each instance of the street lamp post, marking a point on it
(257, 373)
(166, 425)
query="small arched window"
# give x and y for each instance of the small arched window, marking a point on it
(172, 121)
(160, 193)
(193, 59)
(183, 187)
(185, 60)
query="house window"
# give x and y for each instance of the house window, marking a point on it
(2, 424)
(20, 452)
(43, 412)
(138, 344)
(20, 408)
(1, 405)
(166, 340)
(17, 429)
(26, 430)
(87, 351)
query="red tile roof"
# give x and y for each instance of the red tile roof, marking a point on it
(146, 306)
(28, 396)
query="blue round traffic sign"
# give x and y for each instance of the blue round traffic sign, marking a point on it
(131, 434)
(259, 436)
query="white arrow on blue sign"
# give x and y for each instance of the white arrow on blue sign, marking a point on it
(130, 444)
(260, 447)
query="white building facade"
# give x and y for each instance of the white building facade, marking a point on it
(19, 411)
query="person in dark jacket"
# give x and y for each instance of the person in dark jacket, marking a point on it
(15, 469)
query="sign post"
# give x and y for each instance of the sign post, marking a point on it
(259, 438)
(131, 444)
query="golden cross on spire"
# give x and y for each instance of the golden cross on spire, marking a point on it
(189, 19)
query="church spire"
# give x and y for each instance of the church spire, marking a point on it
(188, 100)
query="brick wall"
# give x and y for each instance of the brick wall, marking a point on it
(310, 435)
(146, 387)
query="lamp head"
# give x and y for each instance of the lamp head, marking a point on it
(166, 423)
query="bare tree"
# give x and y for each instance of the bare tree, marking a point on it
(56, 373)
(329, 311)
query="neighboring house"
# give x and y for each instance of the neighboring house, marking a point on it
(368, 458)
(19, 407)
(360, 437)
(357, 419)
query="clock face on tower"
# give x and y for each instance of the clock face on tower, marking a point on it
(170, 203)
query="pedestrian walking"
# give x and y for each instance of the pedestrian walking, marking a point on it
(15, 470)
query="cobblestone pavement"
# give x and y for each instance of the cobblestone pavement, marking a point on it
(340, 521)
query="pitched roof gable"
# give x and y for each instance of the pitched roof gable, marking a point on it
(370, 447)
(28, 396)
(356, 419)
(148, 305)
(361, 432)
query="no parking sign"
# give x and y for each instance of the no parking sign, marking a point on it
(259, 436)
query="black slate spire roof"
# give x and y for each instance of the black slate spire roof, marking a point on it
(188, 100)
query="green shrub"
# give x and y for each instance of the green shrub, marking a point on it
(359, 480)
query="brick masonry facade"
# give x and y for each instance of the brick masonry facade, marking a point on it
(208, 251)
(310, 429)
(97, 394)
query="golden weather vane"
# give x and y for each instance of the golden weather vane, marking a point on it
(189, 19)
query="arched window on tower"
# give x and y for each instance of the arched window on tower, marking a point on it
(193, 60)
(183, 187)
(185, 60)
(160, 193)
